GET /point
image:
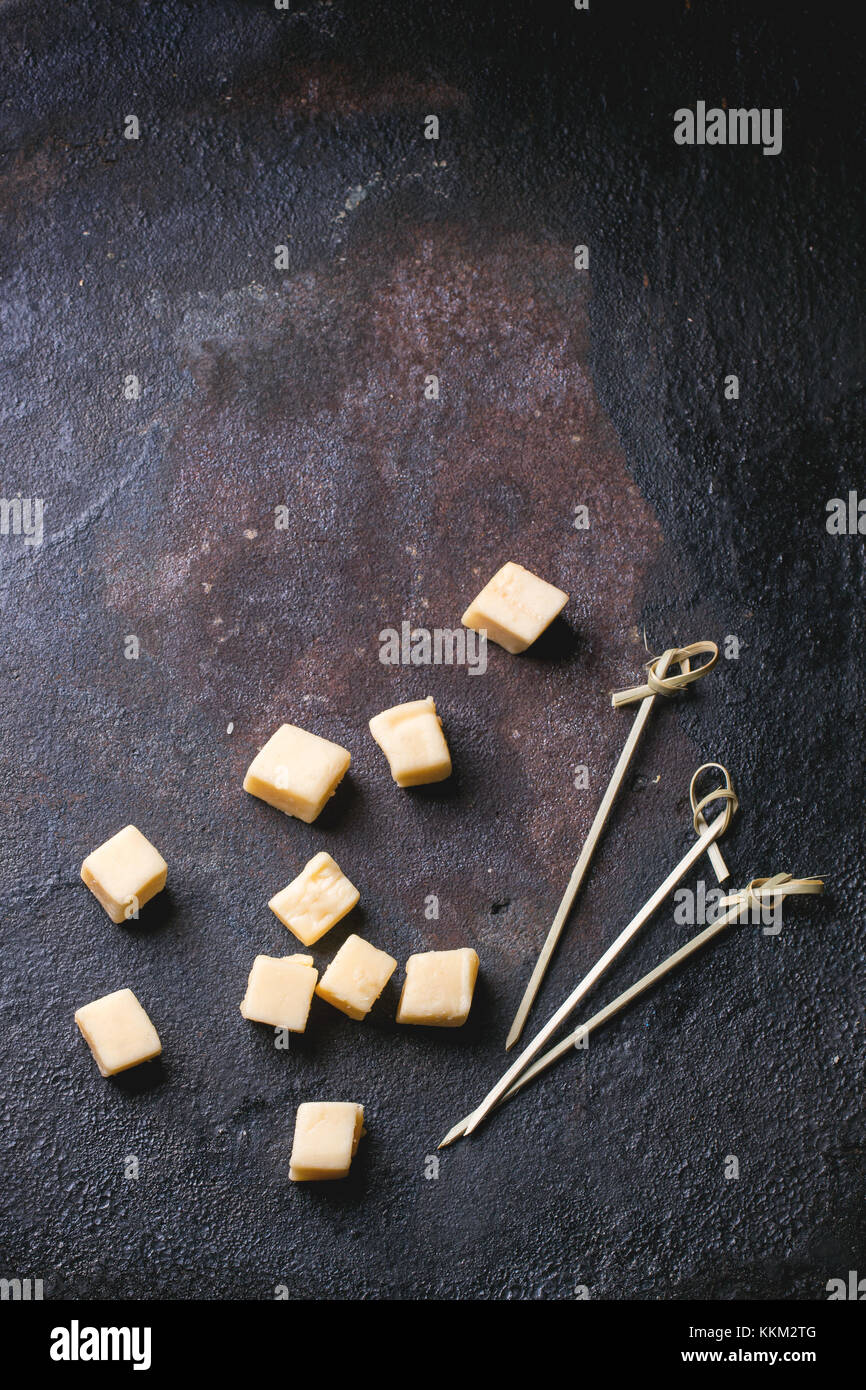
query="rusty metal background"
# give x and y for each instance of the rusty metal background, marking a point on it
(304, 388)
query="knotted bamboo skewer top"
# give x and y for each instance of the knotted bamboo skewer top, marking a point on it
(670, 685)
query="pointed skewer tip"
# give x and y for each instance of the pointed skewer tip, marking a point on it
(455, 1133)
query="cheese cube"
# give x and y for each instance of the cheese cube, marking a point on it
(412, 740)
(326, 1140)
(125, 873)
(356, 977)
(280, 991)
(118, 1032)
(515, 607)
(438, 988)
(297, 772)
(316, 900)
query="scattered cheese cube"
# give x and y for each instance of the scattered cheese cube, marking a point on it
(125, 873)
(297, 772)
(438, 988)
(326, 1140)
(412, 740)
(316, 900)
(356, 977)
(118, 1032)
(280, 991)
(515, 607)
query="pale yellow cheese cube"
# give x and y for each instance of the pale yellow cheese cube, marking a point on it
(326, 1139)
(297, 771)
(125, 873)
(515, 607)
(412, 740)
(118, 1032)
(356, 977)
(280, 991)
(316, 900)
(438, 988)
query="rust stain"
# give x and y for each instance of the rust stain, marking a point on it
(340, 90)
(310, 396)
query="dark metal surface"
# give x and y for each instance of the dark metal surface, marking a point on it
(305, 388)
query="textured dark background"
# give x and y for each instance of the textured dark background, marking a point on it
(305, 388)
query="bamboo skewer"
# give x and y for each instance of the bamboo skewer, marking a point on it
(707, 837)
(755, 892)
(658, 683)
